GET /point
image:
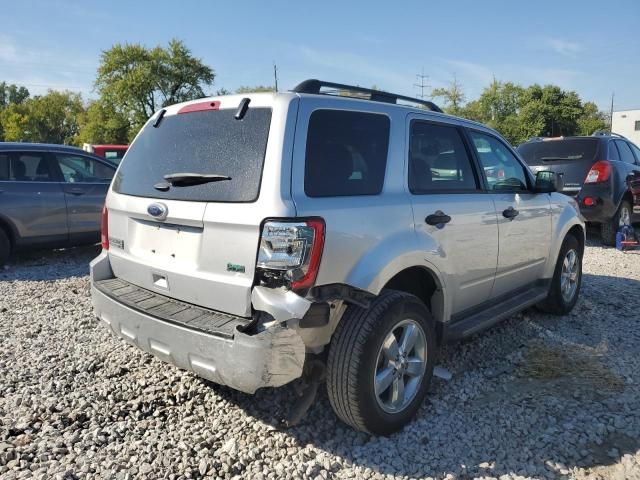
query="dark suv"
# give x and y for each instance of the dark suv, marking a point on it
(601, 171)
(50, 195)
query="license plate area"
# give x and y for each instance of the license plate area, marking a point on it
(161, 242)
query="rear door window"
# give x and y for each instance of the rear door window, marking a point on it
(4, 167)
(438, 160)
(25, 167)
(613, 151)
(346, 153)
(202, 142)
(626, 154)
(636, 150)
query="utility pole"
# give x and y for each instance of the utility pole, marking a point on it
(422, 85)
(275, 75)
(611, 113)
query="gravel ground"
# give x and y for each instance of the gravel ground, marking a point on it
(536, 397)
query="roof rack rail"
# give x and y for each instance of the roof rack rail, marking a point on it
(314, 86)
(604, 133)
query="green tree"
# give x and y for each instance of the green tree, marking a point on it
(10, 94)
(137, 80)
(102, 123)
(452, 95)
(50, 118)
(591, 119)
(256, 89)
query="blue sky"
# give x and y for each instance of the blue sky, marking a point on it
(587, 46)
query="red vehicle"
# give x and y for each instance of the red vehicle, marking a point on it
(114, 153)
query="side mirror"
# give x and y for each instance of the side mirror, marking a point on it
(547, 182)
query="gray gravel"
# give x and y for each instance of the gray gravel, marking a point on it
(536, 397)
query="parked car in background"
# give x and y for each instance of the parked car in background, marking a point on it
(597, 170)
(50, 195)
(257, 239)
(113, 153)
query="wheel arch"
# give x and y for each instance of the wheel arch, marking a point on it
(566, 223)
(424, 283)
(7, 226)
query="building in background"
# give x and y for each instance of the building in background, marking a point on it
(627, 124)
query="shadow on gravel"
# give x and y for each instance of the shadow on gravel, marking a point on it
(530, 396)
(42, 265)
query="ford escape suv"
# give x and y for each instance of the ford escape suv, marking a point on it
(258, 239)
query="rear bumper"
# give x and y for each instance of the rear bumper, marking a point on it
(603, 209)
(244, 362)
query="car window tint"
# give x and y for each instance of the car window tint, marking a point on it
(613, 152)
(4, 166)
(25, 167)
(626, 154)
(81, 169)
(346, 153)
(501, 168)
(438, 159)
(203, 142)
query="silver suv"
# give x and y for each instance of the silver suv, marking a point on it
(258, 239)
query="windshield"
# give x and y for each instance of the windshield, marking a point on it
(211, 142)
(539, 152)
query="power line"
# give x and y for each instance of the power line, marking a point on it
(422, 85)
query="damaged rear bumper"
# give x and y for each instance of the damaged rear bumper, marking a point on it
(245, 362)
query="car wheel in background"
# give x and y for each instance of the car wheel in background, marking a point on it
(380, 362)
(609, 229)
(567, 279)
(5, 247)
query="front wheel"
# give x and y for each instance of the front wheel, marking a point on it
(380, 363)
(567, 279)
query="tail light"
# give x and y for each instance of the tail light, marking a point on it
(104, 228)
(600, 171)
(294, 248)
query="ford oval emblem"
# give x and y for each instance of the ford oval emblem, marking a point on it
(158, 211)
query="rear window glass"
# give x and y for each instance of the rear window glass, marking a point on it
(541, 152)
(346, 153)
(25, 167)
(207, 142)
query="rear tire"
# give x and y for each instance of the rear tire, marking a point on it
(609, 229)
(567, 279)
(5, 247)
(358, 364)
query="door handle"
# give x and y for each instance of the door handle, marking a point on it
(510, 213)
(76, 191)
(438, 218)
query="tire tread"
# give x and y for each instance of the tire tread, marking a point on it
(346, 353)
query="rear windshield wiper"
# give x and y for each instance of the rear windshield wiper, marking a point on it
(190, 179)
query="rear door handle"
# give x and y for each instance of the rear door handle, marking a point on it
(438, 218)
(510, 213)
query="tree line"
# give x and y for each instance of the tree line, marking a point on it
(520, 113)
(133, 81)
